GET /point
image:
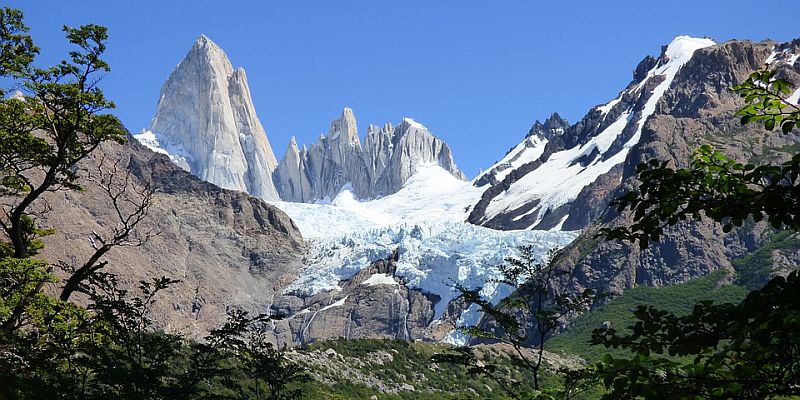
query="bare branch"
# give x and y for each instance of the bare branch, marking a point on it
(131, 202)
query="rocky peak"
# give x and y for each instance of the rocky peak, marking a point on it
(205, 121)
(554, 125)
(409, 123)
(345, 130)
(204, 46)
(292, 152)
(388, 158)
(643, 67)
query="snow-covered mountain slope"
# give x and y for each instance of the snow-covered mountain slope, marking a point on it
(205, 121)
(529, 150)
(431, 195)
(538, 193)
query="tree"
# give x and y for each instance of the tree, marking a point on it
(523, 321)
(749, 350)
(715, 186)
(54, 123)
(51, 348)
(131, 202)
(57, 122)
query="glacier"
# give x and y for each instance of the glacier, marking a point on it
(425, 224)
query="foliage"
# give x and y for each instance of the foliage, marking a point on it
(528, 317)
(765, 98)
(744, 351)
(755, 269)
(677, 299)
(56, 122)
(377, 367)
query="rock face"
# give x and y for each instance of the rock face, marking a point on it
(388, 158)
(228, 249)
(322, 170)
(372, 304)
(206, 122)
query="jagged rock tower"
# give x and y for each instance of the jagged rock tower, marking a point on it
(206, 122)
(389, 156)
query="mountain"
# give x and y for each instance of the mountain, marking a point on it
(698, 108)
(228, 249)
(399, 224)
(552, 166)
(389, 157)
(205, 121)
(562, 177)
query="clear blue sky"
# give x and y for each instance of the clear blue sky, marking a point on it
(476, 73)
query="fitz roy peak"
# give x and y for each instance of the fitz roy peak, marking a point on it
(206, 123)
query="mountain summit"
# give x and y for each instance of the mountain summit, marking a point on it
(205, 121)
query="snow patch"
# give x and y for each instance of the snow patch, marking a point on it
(430, 195)
(414, 124)
(338, 303)
(529, 150)
(560, 223)
(380, 279)
(608, 106)
(161, 144)
(771, 57)
(794, 98)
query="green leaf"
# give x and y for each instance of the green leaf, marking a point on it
(787, 126)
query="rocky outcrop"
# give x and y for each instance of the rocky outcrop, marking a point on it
(373, 303)
(411, 144)
(328, 165)
(205, 121)
(228, 249)
(388, 158)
